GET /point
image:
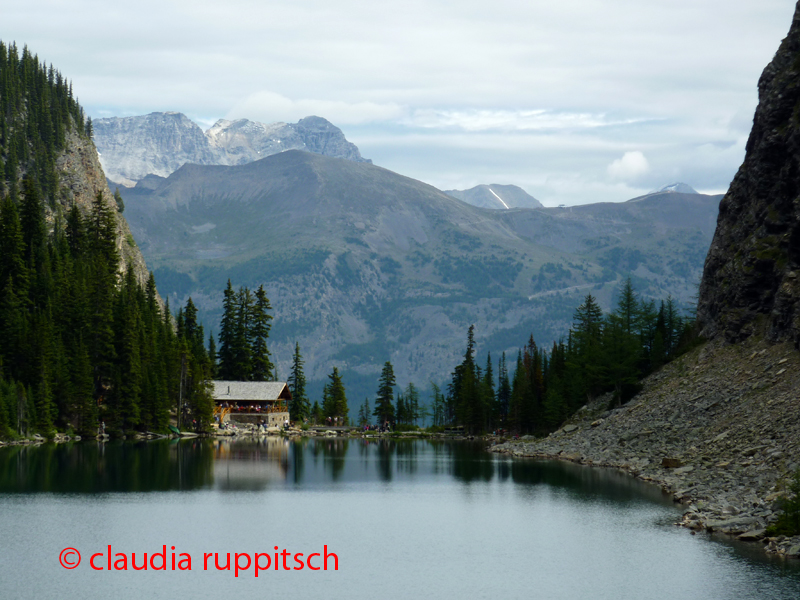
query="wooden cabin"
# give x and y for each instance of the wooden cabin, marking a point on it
(252, 402)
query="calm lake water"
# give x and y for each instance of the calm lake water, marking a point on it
(406, 519)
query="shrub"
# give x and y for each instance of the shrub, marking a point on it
(788, 522)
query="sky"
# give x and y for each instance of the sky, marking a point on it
(575, 101)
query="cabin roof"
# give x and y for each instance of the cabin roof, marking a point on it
(250, 390)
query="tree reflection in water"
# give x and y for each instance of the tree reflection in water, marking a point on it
(261, 463)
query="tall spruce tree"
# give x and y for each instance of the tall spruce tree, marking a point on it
(334, 400)
(384, 408)
(263, 369)
(299, 409)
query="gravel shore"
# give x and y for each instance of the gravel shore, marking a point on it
(718, 428)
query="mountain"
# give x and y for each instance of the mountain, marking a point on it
(496, 196)
(363, 265)
(750, 281)
(160, 143)
(681, 188)
(719, 427)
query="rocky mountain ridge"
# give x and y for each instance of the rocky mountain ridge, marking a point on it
(160, 143)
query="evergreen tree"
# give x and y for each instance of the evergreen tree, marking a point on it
(587, 349)
(12, 246)
(299, 409)
(384, 409)
(212, 356)
(503, 391)
(438, 406)
(263, 369)
(363, 413)
(412, 404)
(316, 413)
(227, 332)
(334, 399)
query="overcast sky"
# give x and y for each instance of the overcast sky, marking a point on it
(576, 101)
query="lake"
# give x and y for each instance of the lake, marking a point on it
(400, 519)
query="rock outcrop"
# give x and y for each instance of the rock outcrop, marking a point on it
(160, 143)
(81, 178)
(751, 281)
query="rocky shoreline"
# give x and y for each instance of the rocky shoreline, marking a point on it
(247, 430)
(719, 429)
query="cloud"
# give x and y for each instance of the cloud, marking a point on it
(631, 166)
(509, 120)
(523, 92)
(268, 107)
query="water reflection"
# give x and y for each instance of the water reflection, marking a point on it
(251, 465)
(92, 468)
(272, 462)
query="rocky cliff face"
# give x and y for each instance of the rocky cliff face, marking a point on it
(81, 178)
(751, 280)
(160, 143)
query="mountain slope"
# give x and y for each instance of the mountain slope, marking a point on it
(496, 196)
(364, 265)
(160, 143)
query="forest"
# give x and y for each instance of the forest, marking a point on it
(83, 344)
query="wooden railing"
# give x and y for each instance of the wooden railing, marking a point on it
(248, 410)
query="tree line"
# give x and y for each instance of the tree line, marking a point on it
(602, 353)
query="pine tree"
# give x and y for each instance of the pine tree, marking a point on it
(262, 369)
(297, 385)
(384, 409)
(12, 246)
(334, 403)
(363, 413)
(212, 356)
(412, 404)
(438, 406)
(503, 390)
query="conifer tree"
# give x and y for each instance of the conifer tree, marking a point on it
(299, 409)
(503, 390)
(334, 403)
(263, 369)
(227, 332)
(412, 404)
(384, 408)
(438, 406)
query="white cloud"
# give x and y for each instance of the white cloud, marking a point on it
(509, 120)
(631, 166)
(268, 107)
(518, 91)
